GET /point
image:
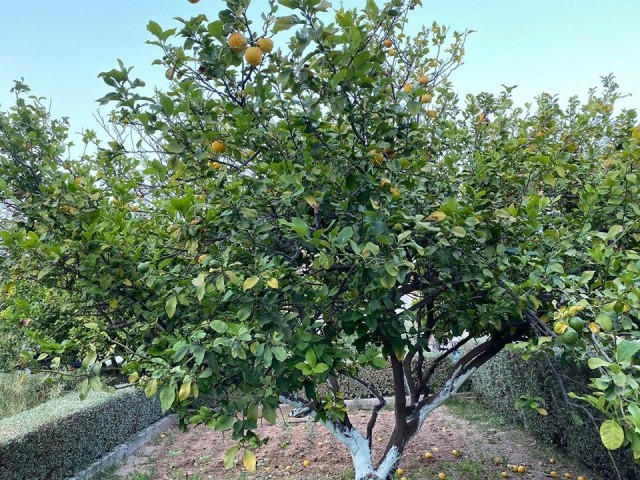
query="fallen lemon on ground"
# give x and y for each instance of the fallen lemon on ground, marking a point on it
(399, 471)
(428, 455)
(441, 476)
(553, 474)
(522, 469)
(306, 463)
(504, 474)
(456, 453)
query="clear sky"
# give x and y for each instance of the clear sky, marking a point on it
(555, 46)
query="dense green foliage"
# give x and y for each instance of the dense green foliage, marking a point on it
(273, 220)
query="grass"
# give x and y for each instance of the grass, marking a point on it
(474, 411)
(20, 392)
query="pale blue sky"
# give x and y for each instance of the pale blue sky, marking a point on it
(556, 46)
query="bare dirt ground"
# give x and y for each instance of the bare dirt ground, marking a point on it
(198, 454)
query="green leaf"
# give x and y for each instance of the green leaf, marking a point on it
(269, 414)
(459, 231)
(626, 349)
(174, 148)
(230, 457)
(89, 360)
(613, 231)
(604, 321)
(299, 226)
(167, 396)
(586, 277)
(170, 305)
(597, 363)
(285, 23)
(224, 423)
(391, 269)
(279, 353)
(611, 434)
(155, 29)
(320, 368)
(219, 326)
(344, 236)
(310, 358)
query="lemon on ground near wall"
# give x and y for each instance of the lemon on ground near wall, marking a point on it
(237, 42)
(399, 471)
(265, 44)
(253, 56)
(428, 455)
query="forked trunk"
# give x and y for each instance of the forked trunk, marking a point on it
(360, 452)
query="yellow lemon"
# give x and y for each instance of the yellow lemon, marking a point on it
(265, 44)
(237, 42)
(253, 56)
(218, 146)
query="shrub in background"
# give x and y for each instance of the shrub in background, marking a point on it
(507, 377)
(20, 392)
(64, 435)
(383, 379)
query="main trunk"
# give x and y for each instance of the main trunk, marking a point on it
(360, 452)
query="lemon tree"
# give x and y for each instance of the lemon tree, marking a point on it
(308, 196)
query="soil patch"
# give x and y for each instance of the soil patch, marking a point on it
(198, 453)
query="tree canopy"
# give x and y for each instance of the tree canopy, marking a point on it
(275, 219)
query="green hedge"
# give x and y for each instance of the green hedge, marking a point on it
(65, 435)
(506, 377)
